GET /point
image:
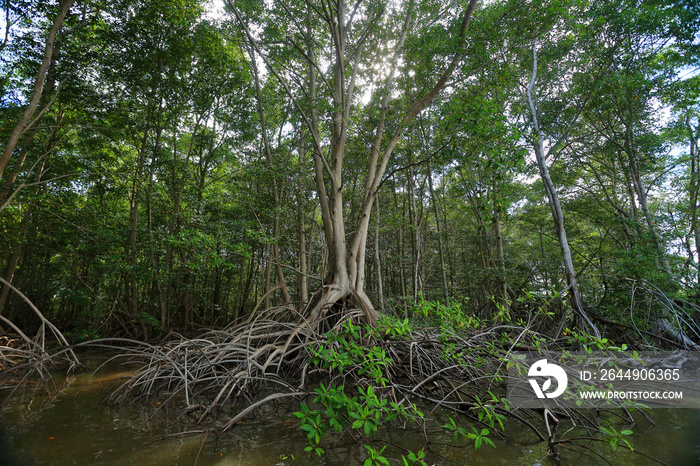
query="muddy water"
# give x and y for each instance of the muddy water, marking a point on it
(75, 426)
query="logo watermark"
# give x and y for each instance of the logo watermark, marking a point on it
(604, 379)
(542, 368)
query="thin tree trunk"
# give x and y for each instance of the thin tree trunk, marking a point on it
(133, 246)
(399, 255)
(275, 189)
(28, 114)
(268, 276)
(154, 263)
(441, 247)
(553, 197)
(642, 196)
(301, 198)
(44, 103)
(450, 260)
(417, 240)
(499, 243)
(238, 302)
(694, 189)
(378, 261)
(16, 251)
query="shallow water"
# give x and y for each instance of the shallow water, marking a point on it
(76, 427)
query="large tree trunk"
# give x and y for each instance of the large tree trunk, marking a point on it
(344, 281)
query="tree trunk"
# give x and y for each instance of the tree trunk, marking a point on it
(301, 200)
(499, 243)
(642, 196)
(557, 214)
(694, 189)
(133, 246)
(162, 306)
(28, 114)
(378, 261)
(16, 250)
(44, 103)
(399, 255)
(441, 248)
(274, 248)
(346, 271)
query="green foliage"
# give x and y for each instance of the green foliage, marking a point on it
(589, 343)
(374, 457)
(344, 350)
(615, 438)
(449, 317)
(414, 458)
(367, 413)
(478, 436)
(365, 409)
(392, 327)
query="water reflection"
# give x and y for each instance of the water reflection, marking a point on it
(77, 427)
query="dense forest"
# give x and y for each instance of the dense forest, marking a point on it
(167, 167)
(176, 166)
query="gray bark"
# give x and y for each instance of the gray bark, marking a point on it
(28, 114)
(553, 197)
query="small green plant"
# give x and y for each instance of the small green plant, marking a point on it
(312, 425)
(414, 458)
(392, 327)
(502, 310)
(589, 343)
(479, 437)
(613, 437)
(486, 410)
(346, 352)
(450, 317)
(375, 457)
(343, 351)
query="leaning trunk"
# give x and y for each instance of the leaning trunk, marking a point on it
(557, 214)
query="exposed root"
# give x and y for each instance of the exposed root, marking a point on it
(226, 375)
(23, 355)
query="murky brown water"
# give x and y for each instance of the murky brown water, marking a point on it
(77, 427)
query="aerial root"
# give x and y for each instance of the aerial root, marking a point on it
(267, 359)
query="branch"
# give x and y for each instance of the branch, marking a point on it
(284, 84)
(415, 164)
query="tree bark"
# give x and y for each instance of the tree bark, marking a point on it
(555, 205)
(301, 198)
(694, 188)
(345, 277)
(28, 114)
(441, 247)
(378, 261)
